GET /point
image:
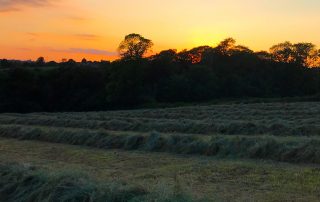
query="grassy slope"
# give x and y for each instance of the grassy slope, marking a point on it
(279, 131)
(214, 178)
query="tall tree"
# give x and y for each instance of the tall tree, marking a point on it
(300, 53)
(134, 46)
(303, 52)
(225, 46)
(282, 52)
(41, 61)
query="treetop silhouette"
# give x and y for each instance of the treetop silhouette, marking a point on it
(200, 74)
(134, 47)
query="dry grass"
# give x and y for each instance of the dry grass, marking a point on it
(287, 149)
(285, 119)
(221, 139)
(217, 179)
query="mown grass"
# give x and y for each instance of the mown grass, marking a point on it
(163, 174)
(26, 183)
(287, 149)
(281, 119)
(286, 132)
(276, 127)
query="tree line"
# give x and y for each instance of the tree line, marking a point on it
(137, 78)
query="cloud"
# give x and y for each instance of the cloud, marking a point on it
(77, 18)
(8, 10)
(93, 51)
(25, 49)
(32, 34)
(16, 5)
(85, 51)
(87, 36)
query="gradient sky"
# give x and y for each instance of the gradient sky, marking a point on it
(93, 29)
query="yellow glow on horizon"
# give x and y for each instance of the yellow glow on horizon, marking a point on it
(93, 29)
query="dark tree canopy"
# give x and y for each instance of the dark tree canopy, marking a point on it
(4, 63)
(200, 74)
(134, 46)
(225, 46)
(41, 61)
(84, 61)
(228, 47)
(300, 53)
(168, 55)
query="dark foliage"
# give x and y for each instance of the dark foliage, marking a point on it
(197, 75)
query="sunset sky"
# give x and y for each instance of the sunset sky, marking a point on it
(93, 29)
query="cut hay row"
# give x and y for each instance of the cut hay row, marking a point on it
(26, 183)
(218, 119)
(278, 128)
(277, 111)
(290, 149)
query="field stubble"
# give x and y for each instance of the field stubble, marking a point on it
(205, 148)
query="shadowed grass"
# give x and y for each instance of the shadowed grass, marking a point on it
(280, 119)
(20, 183)
(287, 149)
(161, 173)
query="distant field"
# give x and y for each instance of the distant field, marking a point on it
(241, 152)
(281, 119)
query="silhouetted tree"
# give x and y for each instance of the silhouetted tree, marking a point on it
(40, 61)
(84, 61)
(166, 55)
(264, 55)
(300, 53)
(315, 60)
(52, 63)
(225, 46)
(134, 46)
(184, 57)
(303, 52)
(71, 61)
(200, 74)
(4, 63)
(196, 54)
(228, 47)
(239, 49)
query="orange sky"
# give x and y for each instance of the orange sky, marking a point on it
(93, 29)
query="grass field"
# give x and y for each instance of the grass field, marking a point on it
(231, 152)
